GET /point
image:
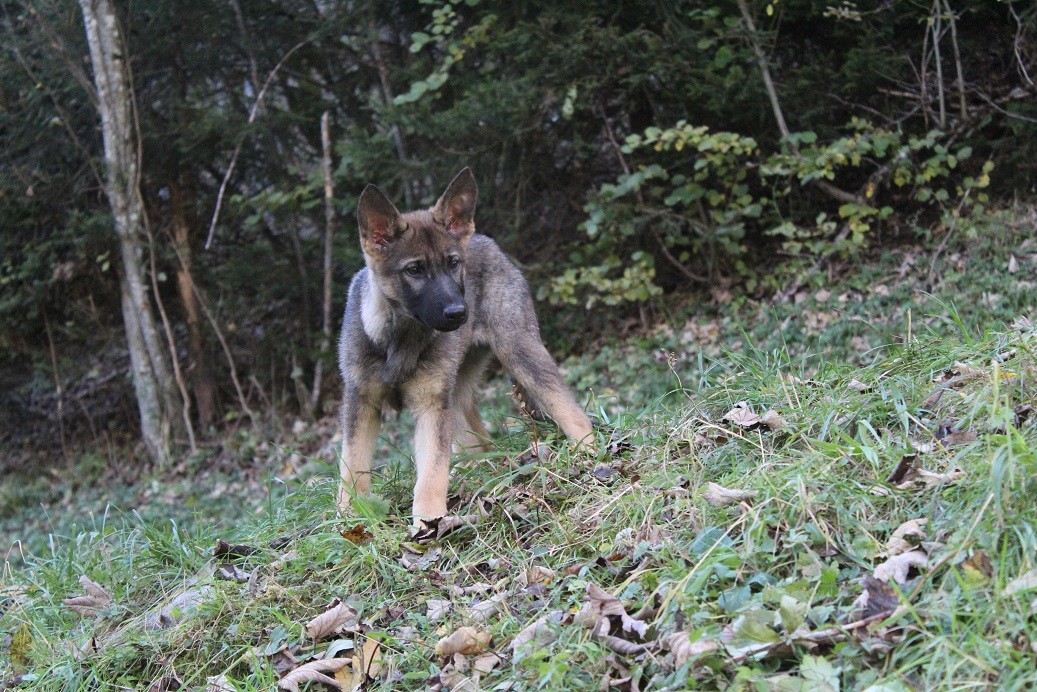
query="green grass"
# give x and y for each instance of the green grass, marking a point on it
(752, 594)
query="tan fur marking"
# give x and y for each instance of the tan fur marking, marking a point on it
(432, 462)
(355, 461)
(570, 417)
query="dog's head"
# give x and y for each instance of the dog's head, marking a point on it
(417, 258)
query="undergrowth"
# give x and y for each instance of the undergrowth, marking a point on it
(843, 504)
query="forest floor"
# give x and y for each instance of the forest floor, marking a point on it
(835, 491)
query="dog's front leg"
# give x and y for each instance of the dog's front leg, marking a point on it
(361, 421)
(433, 433)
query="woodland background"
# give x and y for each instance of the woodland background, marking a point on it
(629, 155)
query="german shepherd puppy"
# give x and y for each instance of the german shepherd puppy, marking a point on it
(422, 318)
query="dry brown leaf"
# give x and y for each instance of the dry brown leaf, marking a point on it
(433, 529)
(357, 534)
(685, 650)
(334, 618)
(178, 607)
(535, 575)
(876, 597)
(314, 671)
(95, 599)
(773, 420)
(921, 479)
(465, 640)
(1024, 582)
(958, 437)
(903, 467)
(742, 415)
(218, 683)
(484, 610)
(368, 660)
(622, 646)
(600, 606)
(538, 631)
(166, 683)
(897, 567)
(485, 663)
(226, 551)
(719, 496)
(416, 557)
(436, 608)
(906, 537)
(349, 678)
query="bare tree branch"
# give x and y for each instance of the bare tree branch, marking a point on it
(237, 148)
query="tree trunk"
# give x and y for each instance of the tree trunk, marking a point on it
(153, 382)
(199, 369)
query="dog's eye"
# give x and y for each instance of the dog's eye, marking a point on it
(413, 269)
(454, 262)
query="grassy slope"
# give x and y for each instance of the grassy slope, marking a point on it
(746, 593)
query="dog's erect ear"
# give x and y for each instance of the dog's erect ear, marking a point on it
(379, 220)
(456, 208)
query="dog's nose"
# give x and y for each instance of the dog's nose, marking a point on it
(455, 314)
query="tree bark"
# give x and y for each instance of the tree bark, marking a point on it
(152, 376)
(199, 369)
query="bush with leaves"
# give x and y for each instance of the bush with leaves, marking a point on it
(710, 201)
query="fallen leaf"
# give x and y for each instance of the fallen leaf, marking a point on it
(465, 640)
(166, 683)
(357, 534)
(921, 479)
(218, 683)
(535, 575)
(906, 537)
(368, 660)
(438, 527)
(719, 496)
(685, 650)
(897, 567)
(178, 607)
(314, 671)
(742, 415)
(600, 606)
(773, 420)
(622, 646)
(336, 616)
(876, 597)
(902, 468)
(858, 386)
(485, 663)
(976, 568)
(933, 399)
(436, 609)
(1024, 582)
(418, 557)
(484, 610)
(231, 572)
(957, 437)
(225, 550)
(95, 599)
(537, 632)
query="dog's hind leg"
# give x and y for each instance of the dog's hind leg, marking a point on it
(538, 376)
(361, 421)
(469, 431)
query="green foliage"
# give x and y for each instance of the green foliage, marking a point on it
(714, 198)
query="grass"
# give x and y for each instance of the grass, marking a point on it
(714, 589)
